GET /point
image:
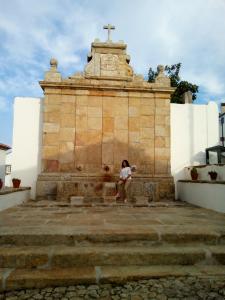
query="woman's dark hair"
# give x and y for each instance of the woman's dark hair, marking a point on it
(126, 162)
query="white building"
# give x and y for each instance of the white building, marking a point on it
(27, 134)
(193, 129)
(5, 168)
(8, 168)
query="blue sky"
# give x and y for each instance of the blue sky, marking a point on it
(157, 32)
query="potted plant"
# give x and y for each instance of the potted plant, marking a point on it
(1, 183)
(194, 173)
(16, 182)
(213, 175)
(107, 177)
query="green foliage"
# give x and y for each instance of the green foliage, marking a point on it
(194, 170)
(181, 86)
(213, 173)
(173, 73)
(151, 75)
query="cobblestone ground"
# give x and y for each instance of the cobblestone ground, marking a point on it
(186, 288)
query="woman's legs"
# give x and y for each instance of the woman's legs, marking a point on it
(119, 187)
(126, 189)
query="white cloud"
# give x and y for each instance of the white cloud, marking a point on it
(157, 32)
(33, 32)
(219, 101)
(208, 80)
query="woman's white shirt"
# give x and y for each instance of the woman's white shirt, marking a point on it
(125, 172)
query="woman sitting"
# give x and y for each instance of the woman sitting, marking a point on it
(124, 181)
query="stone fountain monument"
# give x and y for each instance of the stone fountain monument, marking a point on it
(95, 119)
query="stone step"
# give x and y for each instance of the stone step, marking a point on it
(32, 278)
(109, 198)
(66, 257)
(130, 235)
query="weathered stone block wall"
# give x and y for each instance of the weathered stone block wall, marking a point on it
(102, 116)
(61, 187)
(85, 129)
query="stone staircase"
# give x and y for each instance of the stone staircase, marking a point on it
(42, 259)
(48, 243)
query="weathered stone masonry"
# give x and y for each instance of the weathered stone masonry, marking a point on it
(101, 117)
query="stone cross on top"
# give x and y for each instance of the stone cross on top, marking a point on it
(109, 27)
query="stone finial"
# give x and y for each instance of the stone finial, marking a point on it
(53, 63)
(161, 78)
(160, 69)
(53, 75)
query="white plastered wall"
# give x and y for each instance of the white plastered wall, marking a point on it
(8, 161)
(2, 164)
(205, 195)
(26, 158)
(193, 129)
(12, 199)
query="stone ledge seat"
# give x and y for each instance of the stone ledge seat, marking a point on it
(61, 187)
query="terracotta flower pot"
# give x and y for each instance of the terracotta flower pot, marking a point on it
(213, 176)
(16, 183)
(194, 173)
(194, 176)
(107, 178)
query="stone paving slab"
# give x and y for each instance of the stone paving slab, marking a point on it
(64, 257)
(123, 274)
(42, 278)
(24, 278)
(55, 245)
(56, 224)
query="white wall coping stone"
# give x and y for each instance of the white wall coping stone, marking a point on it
(12, 197)
(203, 181)
(9, 190)
(203, 193)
